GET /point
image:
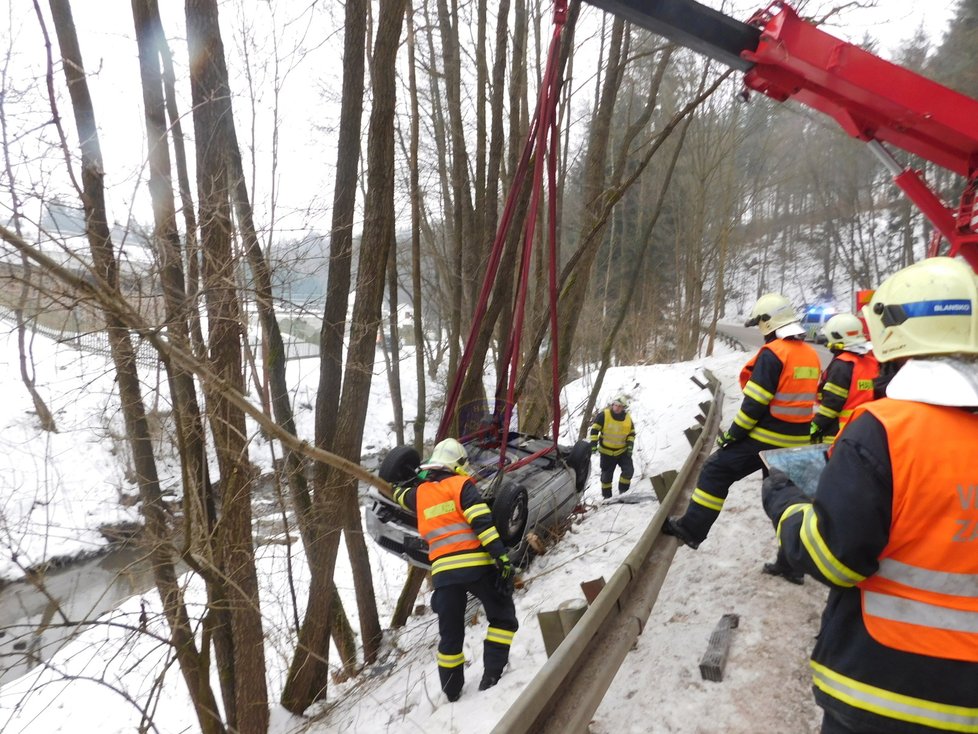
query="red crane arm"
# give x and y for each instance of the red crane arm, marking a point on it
(872, 99)
(785, 57)
(876, 101)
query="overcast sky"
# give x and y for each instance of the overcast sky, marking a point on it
(888, 21)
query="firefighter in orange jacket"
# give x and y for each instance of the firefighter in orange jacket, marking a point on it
(848, 381)
(893, 526)
(613, 436)
(467, 557)
(779, 385)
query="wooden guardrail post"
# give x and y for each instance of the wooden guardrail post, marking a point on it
(556, 625)
(550, 630)
(662, 482)
(693, 434)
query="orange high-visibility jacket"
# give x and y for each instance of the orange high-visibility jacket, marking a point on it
(865, 370)
(794, 400)
(924, 597)
(779, 414)
(440, 518)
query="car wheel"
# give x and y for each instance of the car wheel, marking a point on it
(579, 459)
(509, 513)
(400, 465)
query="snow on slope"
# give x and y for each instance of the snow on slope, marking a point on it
(659, 689)
(766, 688)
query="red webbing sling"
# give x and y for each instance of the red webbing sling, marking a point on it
(541, 146)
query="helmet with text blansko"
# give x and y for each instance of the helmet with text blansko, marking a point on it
(843, 330)
(928, 308)
(771, 312)
(448, 454)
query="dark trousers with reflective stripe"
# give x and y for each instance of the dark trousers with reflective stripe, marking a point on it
(448, 602)
(608, 466)
(834, 723)
(723, 468)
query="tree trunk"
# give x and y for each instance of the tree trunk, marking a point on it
(336, 496)
(409, 594)
(307, 677)
(377, 246)
(212, 106)
(421, 416)
(123, 355)
(625, 299)
(44, 416)
(199, 507)
(459, 224)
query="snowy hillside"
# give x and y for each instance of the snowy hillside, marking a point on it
(49, 482)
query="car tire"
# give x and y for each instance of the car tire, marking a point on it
(400, 465)
(509, 513)
(579, 459)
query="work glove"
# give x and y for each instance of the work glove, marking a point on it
(594, 448)
(774, 482)
(505, 575)
(816, 434)
(777, 493)
(725, 439)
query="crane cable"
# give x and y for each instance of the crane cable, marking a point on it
(541, 147)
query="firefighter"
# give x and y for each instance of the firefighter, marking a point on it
(893, 528)
(613, 436)
(849, 379)
(467, 557)
(779, 384)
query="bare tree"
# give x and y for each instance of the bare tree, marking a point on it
(307, 677)
(25, 358)
(336, 496)
(106, 270)
(235, 558)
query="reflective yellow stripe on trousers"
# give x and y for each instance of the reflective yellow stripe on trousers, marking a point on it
(894, 705)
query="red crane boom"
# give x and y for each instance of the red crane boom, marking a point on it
(872, 99)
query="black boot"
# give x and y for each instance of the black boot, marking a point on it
(452, 680)
(488, 680)
(673, 526)
(786, 572)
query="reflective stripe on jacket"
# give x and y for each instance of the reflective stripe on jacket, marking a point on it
(865, 370)
(924, 597)
(617, 436)
(840, 540)
(789, 404)
(442, 523)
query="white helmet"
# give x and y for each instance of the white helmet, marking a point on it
(448, 454)
(622, 400)
(771, 312)
(928, 308)
(842, 331)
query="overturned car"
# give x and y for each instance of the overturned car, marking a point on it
(535, 494)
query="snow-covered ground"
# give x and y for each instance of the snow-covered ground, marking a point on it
(58, 488)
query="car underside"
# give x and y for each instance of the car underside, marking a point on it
(534, 494)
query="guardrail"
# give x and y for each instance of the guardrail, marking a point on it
(566, 692)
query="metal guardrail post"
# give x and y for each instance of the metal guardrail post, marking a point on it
(567, 691)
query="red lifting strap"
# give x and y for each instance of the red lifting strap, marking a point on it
(541, 147)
